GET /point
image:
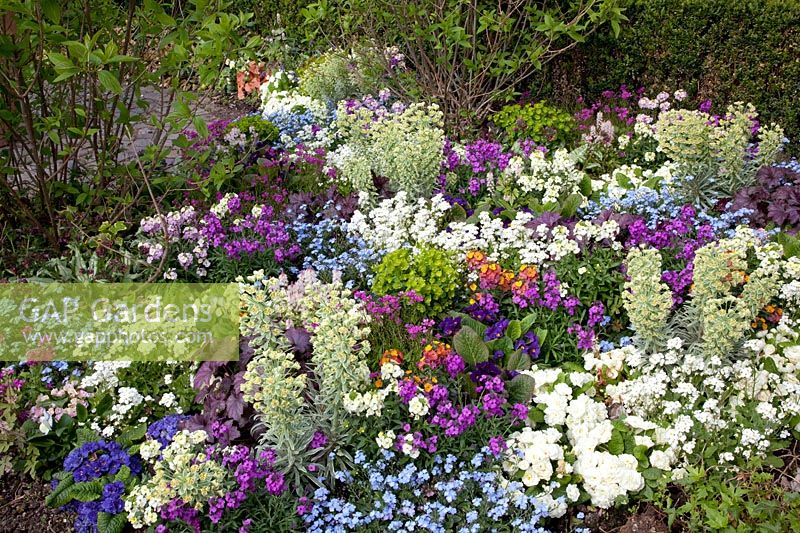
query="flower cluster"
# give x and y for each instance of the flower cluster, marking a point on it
(453, 495)
(327, 317)
(238, 225)
(401, 143)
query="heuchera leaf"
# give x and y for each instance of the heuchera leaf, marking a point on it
(300, 339)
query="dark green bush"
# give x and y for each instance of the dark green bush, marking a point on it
(721, 50)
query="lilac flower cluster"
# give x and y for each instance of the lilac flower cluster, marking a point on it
(659, 220)
(479, 161)
(388, 306)
(9, 384)
(381, 107)
(319, 440)
(618, 104)
(453, 495)
(238, 225)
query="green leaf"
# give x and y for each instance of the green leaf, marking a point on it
(616, 445)
(527, 322)
(467, 320)
(104, 404)
(85, 435)
(58, 497)
(470, 346)
(109, 82)
(514, 330)
(108, 523)
(200, 126)
(570, 206)
(716, 518)
(640, 452)
(520, 388)
(52, 10)
(652, 473)
(60, 61)
(518, 360)
(86, 491)
(123, 474)
(774, 461)
(770, 366)
(135, 434)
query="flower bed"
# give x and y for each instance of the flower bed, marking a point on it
(439, 334)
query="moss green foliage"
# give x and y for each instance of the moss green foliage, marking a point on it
(541, 122)
(256, 128)
(431, 274)
(721, 50)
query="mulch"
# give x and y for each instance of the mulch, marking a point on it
(22, 507)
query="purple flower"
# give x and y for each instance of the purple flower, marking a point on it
(98, 458)
(406, 389)
(319, 440)
(529, 345)
(496, 330)
(454, 364)
(497, 445)
(164, 430)
(111, 501)
(450, 325)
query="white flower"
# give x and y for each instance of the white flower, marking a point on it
(168, 400)
(46, 423)
(418, 406)
(150, 449)
(385, 439)
(573, 492)
(661, 460)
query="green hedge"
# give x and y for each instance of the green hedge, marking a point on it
(725, 50)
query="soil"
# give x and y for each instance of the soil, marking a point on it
(647, 521)
(22, 508)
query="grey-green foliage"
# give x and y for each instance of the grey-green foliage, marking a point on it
(725, 297)
(717, 156)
